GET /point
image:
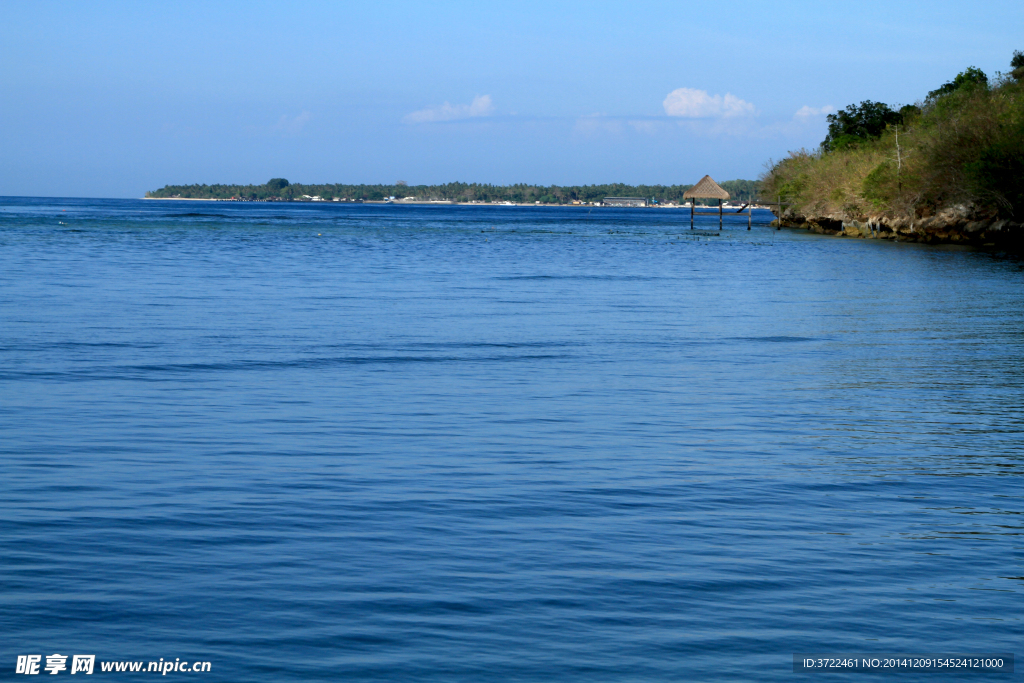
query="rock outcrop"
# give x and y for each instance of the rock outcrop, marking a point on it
(955, 225)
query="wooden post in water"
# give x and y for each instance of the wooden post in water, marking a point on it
(719, 215)
(693, 203)
(750, 211)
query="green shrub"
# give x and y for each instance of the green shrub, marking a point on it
(997, 175)
(972, 76)
(878, 185)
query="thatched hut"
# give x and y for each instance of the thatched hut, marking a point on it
(706, 188)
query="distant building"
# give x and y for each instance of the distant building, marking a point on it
(624, 201)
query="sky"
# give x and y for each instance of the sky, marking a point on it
(111, 99)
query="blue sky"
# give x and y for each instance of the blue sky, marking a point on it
(110, 99)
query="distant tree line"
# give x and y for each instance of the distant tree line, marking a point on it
(281, 189)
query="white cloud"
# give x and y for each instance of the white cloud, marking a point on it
(806, 113)
(480, 106)
(293, 124)
(698, 104)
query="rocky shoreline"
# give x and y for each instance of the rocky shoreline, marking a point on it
(956, 225)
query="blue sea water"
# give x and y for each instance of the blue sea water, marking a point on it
(398, 443)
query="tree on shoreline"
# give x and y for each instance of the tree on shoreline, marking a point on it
(858, 123)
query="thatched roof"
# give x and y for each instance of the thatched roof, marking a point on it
(706, 189)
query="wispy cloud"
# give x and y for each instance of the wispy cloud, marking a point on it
(806, 113)
(647, 126)
(482, 105)
(595, 124)
(698, 104)
(601, 124)
(292, 124)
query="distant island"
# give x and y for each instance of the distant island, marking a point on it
(279, 189)
(949, 168)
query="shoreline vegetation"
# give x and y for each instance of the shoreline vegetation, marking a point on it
(279, 189)
(949, 168)
(946, 169)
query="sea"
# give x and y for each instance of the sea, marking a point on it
(322, 442)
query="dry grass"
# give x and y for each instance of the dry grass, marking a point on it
(965, 148)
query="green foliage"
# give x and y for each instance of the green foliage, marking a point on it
(879, 185)
(793, 187)
(842, 142)
(997, 174)
(971, 77)
(741, 190)
(961, 148)
(1017, 65)
(281, 189)
(857, 124)
(909, 114)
